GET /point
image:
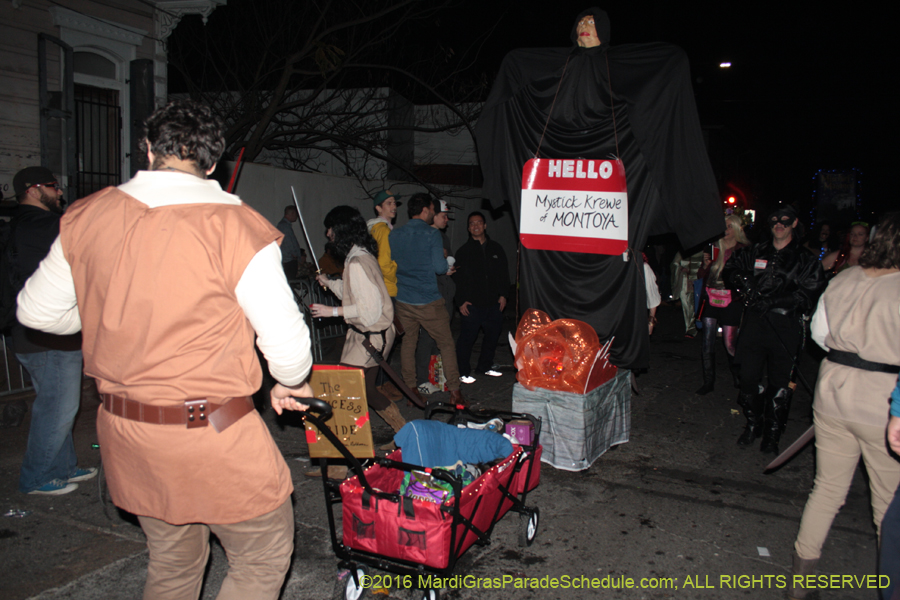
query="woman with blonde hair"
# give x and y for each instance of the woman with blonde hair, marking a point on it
(720, 307)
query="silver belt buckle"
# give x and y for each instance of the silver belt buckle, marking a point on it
(196, 413)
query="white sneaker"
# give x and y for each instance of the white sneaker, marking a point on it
(467, 379)
(84, 474)
(56, 487)
(493, 373)
(428, 388)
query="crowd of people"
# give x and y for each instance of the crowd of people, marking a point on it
(759, 297)
(427, 286)
(175, 371)
(160, 288)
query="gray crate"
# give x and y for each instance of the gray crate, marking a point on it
(578, 428)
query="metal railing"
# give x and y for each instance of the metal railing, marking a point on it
(16, 378)
(306, 292)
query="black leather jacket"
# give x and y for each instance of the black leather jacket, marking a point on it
(789, 280)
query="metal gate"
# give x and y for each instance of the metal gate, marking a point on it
(98, 119)
(306, 292)
(16, 378)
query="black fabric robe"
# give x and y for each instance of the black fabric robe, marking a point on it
(654, 129)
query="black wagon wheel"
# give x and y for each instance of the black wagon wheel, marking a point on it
(429, 594)
(528, 526)
(354, 589)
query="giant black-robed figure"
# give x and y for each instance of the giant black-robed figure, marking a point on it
(655, 127)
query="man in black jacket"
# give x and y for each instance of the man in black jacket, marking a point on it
(779, 281)
(54, 362)
(482, 283)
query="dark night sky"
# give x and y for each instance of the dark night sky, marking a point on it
(807, 89)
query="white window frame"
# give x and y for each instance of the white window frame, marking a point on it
(113, 41)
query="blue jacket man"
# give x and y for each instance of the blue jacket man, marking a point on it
(419, 253)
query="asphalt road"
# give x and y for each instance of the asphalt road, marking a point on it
(680, 511)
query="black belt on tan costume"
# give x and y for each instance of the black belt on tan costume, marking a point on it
(369, 334)
(193, 413)
(851, 359)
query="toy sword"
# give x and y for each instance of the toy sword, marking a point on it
(305, 234)
(792, 449)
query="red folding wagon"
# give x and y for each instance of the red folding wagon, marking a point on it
(416, 541)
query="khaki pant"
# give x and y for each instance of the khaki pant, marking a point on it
(259, 554)
(839, 444)
(433, 318)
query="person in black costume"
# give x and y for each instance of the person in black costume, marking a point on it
(779, 281)
(634, 102)
(482, 285)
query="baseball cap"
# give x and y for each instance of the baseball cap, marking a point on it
(384, 195)
(30, 176)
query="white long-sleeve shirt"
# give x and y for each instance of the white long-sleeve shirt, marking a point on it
(48, 301)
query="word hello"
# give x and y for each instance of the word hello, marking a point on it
(571, 168)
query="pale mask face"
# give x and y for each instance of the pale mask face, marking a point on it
(587, 32)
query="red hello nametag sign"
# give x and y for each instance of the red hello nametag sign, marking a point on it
(574, 205)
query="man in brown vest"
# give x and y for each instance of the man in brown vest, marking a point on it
(169, 280)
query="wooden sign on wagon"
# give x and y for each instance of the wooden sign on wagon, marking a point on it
(344, 389)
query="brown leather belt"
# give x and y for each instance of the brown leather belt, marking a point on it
(193, 413)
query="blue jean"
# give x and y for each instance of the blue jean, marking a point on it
(491, 320)
(50, 453)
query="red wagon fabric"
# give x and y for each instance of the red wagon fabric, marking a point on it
(422, 532)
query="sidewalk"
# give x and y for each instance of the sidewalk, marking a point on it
(679, 505)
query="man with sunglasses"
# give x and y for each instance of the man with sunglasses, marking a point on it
(779, 281)
(53, 361)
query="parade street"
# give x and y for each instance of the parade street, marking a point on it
(680, 511)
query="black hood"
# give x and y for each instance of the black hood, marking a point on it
(601, 23)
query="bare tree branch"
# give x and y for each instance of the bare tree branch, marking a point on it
(307, 85)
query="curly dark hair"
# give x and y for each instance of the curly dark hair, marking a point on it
(185, 129)
(884, 250)
(349, 229)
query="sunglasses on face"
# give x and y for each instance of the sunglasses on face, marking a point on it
(53, 185)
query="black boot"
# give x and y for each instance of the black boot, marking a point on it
(735, 370)
(752, 405)
(777, 407)
(709, 374)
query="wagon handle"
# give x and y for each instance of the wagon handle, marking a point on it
(319, 406)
